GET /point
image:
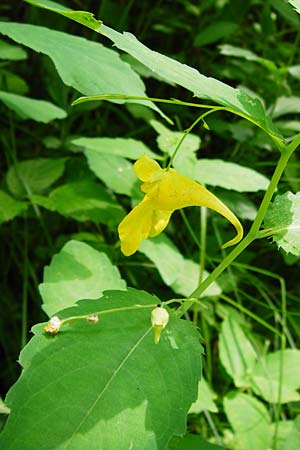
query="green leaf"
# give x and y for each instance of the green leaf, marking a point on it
(9, 207)
(115, 387)
(116, 172)
(205, 400)
(214, 32)
(249, 419)
(100, 69)
(192, 442)
(126, 147)
(78, 271)
(3, 408)
(236, 352)
(182, 275)
(12, 82)
(266, 378)
(83, 200)
(29, 108)
(286, 105)
(168, 140)
(33, 176)
(248, 55)
(11, 52)
(293, 439)
(283, 218)
(295, 4)
(216, 172)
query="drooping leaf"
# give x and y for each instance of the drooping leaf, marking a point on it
(30, 108)
(205, 400)
(33, 176)
(83, 200)
(266, 376)
(216, 172)
(115, 171)
(9, 207)
(105, 385)
(100, 69)
(78, 271)
(236, 352)
(11, 52)
(125, 147)
(283, 216)
(249, 419)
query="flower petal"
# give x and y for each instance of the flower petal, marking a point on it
(160, 220)
(136, 226)
(146, 167)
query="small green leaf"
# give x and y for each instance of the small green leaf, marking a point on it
(9, 207)
(29, 108)
(33, 176)
(83, 200)
(216, 172)
(283, 217)
(236, 352)
(105, 385)
(78, 271)
(128, 148)
(249, 419)
(116, 172)
(11, 52)
(266, 376)
(205, 400)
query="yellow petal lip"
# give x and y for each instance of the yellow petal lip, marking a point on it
(166, 191)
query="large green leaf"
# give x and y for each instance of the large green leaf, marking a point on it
(267, 379)
(249, 419)
(293, 439)
(87, 66)
(170, 69)
(78, 271)
(105, 385)
(33, 176)
(283, 220)
(9, 207)
(128, 148)
(236, 352)
(192, 442)
(205, 400)
(30, 108)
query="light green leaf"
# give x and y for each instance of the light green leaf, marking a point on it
(188, 280)
(216, 172)
(294, 71)
(236, 352)
(126, 147)
(286, 105)
(115, 387)
(293, 439)
(78, 271)
(266, 376)
(214, 32)
(239, 203)
(192, 442)
(165, 256)
(246, 54)
(85, 65)
(33, 176)
(29, 108)
(83, 200)
(11, 52)
(205, 400)
(295, 4)
(168, 140)
(249, 419)
(9, 207)
(284, 429)
(283, 216)
(116, 172)
(3, 408)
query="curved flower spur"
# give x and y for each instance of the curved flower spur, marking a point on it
(166, 190)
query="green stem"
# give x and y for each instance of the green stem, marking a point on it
(251, 236)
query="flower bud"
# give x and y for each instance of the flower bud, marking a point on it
(159, 320)
(53, 326)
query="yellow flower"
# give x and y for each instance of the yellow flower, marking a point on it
(166, 191)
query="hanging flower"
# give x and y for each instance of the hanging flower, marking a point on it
(166, 190)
